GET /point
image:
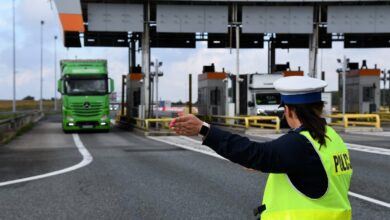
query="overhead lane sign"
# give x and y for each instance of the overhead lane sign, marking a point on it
(192, 18)
(277, 19)
(359, 19)
(115, 17)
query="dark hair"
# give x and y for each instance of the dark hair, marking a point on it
(310, 117)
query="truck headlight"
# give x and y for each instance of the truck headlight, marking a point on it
(104, 118)
(69, 118)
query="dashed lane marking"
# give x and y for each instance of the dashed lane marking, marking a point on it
(194, 145)
(87, 159)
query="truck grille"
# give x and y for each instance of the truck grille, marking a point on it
(80, 109)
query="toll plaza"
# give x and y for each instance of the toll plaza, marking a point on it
(142, 25)
(138, 168)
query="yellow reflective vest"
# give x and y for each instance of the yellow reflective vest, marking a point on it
(284, 202)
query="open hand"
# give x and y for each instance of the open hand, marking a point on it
(188, 125)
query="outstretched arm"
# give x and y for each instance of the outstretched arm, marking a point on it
(278, 156)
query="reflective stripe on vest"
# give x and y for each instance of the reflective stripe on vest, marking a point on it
(284, 202)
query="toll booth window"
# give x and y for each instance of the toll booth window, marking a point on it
(368, 94)
(215, 97)
(267, 99)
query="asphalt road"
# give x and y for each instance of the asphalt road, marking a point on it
(133, 177)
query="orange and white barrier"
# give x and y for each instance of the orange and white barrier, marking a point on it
(70, 15)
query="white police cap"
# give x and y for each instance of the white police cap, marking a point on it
(299, 89)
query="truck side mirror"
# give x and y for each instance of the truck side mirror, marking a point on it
(112, 86)
(251, 104)
(60, 86)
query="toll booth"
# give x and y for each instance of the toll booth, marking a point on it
(362, 89)
(212, 93)
(134, 85)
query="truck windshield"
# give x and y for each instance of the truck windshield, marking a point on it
(268, 99)
(86, 86)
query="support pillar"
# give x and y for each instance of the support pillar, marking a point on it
(313, 45)
(235, 20)
(132, 54)
(146, 63)
(190, 93)
(130, 86)
(271, 56)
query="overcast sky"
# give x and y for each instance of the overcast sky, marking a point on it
(178, 63)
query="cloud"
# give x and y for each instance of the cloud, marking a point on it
(31, 12)
(27, 83)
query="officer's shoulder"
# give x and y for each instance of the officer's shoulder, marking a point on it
(293, 138)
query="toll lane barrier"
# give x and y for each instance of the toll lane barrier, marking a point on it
(162, 122)
(246, 122)
(145, 124)
(347, 120)
(384, 116)
(384, 109)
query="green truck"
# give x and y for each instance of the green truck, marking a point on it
(85, 89)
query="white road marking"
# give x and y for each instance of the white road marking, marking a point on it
(87, 159)
(368, 149)
(194, 145)
(368, 199)
(187, 143)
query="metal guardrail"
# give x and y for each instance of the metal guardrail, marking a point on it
(11, 126)
(347, 120)
(247, 121)
(19, 112)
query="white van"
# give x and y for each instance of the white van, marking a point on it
(263, 99)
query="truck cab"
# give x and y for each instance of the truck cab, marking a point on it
(85, 89)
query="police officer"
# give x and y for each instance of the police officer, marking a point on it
(309, 167)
